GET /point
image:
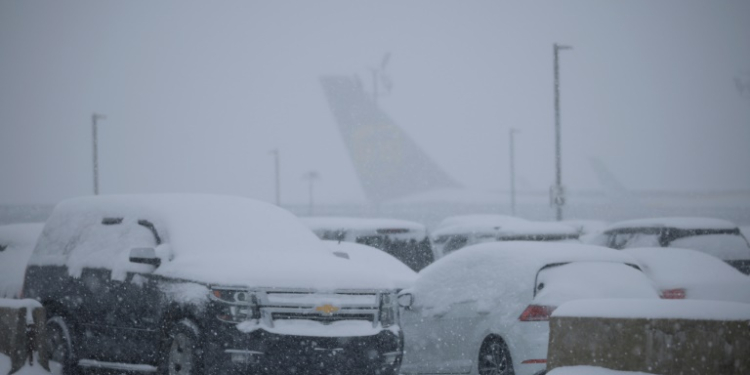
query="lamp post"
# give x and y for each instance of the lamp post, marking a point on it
(311, 177)
(557, 193)
(275, 153)
(94, 118)
(512, 132)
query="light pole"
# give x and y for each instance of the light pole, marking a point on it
(512, 173)
(557, 193)
(275, 153)
(311, 177)
(94, 118)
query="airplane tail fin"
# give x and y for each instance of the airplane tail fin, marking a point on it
(388, 163)
(611, 185)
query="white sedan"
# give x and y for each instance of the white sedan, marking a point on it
(691, 274)
(485, 309)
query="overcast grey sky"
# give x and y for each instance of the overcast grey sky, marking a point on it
(197, 93)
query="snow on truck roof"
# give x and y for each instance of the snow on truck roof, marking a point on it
(205, 238)
(502, 225)
(674, 222)
(365, 225)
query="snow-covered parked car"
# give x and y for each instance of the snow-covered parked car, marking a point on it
(456, 232)
(389, 267)
(691, 274)
(716, 237)
(485, 309)
(16, 244)
(405, 240)
(188, 284)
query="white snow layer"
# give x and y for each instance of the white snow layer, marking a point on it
(702, 276)
(29, 304)
(500, 273)
(592, 370)
(371, 258)
(210, 239)
(654, 309)
(724, 246)
(586, 227)
(18, 241)
(500, 225)
(19, 303)
(301, 327)
(675, 222)
(591, 280)
(366, 226)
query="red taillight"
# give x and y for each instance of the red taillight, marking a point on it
(673, 293)
(536, 313)
(530, 361)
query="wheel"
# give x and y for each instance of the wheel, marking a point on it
(182, 354)
(60, 345)
(494, 358)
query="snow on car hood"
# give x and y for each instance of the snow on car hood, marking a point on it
(205, 238)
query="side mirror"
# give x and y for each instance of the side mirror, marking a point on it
(341, 254)
(145, 255)
(406, 300)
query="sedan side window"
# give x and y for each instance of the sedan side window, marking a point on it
(619, 240)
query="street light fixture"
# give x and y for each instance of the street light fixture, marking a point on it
(512, 173)
(557, 192)
(94, 118)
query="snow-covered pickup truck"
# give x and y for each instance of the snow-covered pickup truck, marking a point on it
(189, 284)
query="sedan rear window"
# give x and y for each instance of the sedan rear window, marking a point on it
(583, 280)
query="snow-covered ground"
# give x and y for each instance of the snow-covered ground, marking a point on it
(591, 370)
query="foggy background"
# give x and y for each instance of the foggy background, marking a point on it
(197, 94)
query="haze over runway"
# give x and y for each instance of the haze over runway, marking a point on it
(197, 94)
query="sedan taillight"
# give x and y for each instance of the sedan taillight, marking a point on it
(673, 293)
(536, 313)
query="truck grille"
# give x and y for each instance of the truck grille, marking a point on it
(286, 305)
(321, 318)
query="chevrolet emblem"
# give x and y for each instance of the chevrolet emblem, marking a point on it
(327, 309)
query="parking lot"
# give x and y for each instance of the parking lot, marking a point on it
(189, 284)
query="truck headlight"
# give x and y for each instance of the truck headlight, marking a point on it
(388, 310)
(234, 305)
